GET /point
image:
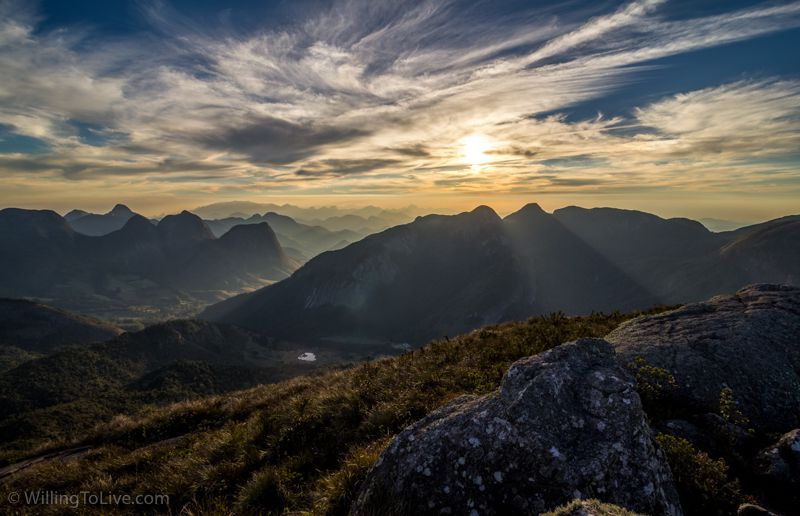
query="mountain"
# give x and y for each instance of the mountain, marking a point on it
(138, 271)
(767, 253)
(94, 224)
(311, 215)
(443, 275)
(300, 241)
(34, 246)
(240, 258)
(557, 264)
(75, 214)
(406, 283)
(679, 260)
(359, 223)
(74, 389)
(29, 330)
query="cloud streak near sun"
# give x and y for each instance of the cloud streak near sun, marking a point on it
(379, 97)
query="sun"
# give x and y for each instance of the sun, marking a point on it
(474, 148)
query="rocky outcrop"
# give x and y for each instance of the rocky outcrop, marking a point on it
(565, 424)
(748, 342)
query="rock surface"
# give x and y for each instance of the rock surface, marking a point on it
(778, 466)
(782, 460)
(565, 424)
(749, 342)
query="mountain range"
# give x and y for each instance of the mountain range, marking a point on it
(300, 241)
(177, 263)
(443, 275)
(96, 224)
(365, 220)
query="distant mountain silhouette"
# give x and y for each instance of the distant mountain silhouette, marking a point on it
(679, 260)
(300, 241)
(331, 217)
(94, 224)
(442, 275)
(138, 264)
(240, 257)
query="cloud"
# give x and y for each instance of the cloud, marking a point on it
(344, 167)
(272, 141)
(745, 118)
(376, 96)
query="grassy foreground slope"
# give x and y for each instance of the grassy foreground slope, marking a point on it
(300, 445)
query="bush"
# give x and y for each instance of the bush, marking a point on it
(704, 485)
(655, 384)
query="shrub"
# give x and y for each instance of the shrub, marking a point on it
(654, 384)
(729, 409)
(704, 485)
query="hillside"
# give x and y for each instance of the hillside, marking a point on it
(140, 272)
(308, 444)
(443, 275)
(303, 444)
(43, 329)
(31, 330)
(68, 392)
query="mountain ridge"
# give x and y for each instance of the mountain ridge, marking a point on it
(429, 276)
(175, 261)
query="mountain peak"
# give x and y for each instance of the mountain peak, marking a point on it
(120, 209)
(75, 214)
(185, 226)
(529, 211)
(248, 230)
(138, 222)
(485, 211)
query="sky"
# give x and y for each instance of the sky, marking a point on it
(681, 108)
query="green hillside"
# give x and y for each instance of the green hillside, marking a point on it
(303, 444)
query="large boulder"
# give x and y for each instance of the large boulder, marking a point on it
(748, 342)
(565, 424)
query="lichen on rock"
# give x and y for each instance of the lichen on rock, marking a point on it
(565, 424)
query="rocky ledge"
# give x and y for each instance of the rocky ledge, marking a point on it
(748, 342)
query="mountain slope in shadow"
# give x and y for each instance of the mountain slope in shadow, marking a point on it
(176, 262)
(441, 275)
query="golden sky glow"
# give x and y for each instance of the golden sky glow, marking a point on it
(430, 103)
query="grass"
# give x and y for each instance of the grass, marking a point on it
(303, 445)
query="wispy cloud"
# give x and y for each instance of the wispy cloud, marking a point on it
(378, 96)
